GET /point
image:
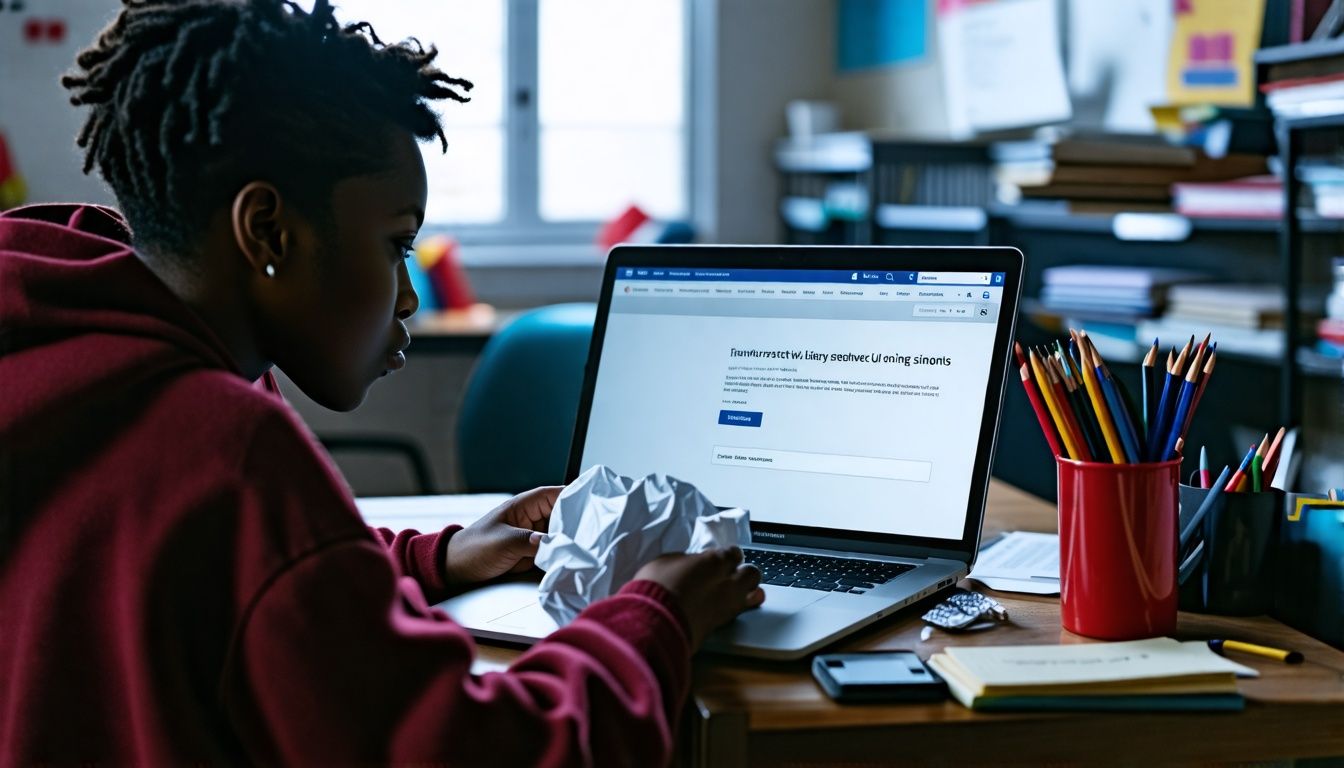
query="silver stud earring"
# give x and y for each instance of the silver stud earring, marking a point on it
(270, 270)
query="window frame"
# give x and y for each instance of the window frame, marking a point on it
(522, 224)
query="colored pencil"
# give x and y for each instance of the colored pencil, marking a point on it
(1123, 425)
(1203, 382)
(1203, 467)
(1065, 406)
(1095, 394)
(1272, 455)
(1182, 408)
(1206, 505)
(1043, 384)
(1087, 420)
(1241, 471)
(1038, 406)
(1159, 418)
(1149, 381)
(1255, 472)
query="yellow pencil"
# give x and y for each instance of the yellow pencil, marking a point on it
(1048, 395)
(1098, 401)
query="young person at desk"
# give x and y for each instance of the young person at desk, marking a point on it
(184, 577)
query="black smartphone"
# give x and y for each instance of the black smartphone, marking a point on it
(877, 676)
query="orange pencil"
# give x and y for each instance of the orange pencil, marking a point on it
(1048, 395)
(1066, 411)
(1203, 382)
(1272, 455)
(1094, 393)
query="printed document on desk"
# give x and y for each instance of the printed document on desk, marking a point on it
(1020, 562)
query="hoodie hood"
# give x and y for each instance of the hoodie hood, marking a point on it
(83, 320)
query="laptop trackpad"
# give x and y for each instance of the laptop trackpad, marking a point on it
(787, 600)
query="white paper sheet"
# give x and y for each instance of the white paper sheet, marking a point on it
(605, 527)
(1020, 562)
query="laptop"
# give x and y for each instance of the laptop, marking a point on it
(847, 397)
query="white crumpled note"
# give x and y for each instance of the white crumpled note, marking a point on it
(605, 527)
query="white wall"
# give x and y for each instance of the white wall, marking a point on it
(35, 112)
(756, 57)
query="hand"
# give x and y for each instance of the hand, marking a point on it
(503, 541)
(711, 587)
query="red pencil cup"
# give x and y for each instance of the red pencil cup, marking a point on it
(1117, 548)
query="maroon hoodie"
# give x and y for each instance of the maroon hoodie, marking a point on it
(184, 577)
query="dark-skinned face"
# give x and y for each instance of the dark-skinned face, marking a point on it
(341, 321)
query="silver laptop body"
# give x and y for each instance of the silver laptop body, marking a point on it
(848, 397)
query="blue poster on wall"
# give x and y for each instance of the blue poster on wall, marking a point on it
(879, 33)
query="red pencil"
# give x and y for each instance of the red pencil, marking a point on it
(1037, 405)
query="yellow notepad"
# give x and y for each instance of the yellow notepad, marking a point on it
(1140, 668)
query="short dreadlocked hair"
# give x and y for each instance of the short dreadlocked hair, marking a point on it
(192, 99)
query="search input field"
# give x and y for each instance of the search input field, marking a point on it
(824, 463)
(954, 278)
(944, 310)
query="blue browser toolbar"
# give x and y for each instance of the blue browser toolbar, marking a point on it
(861, 276)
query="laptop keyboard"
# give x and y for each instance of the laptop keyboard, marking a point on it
(827, 574)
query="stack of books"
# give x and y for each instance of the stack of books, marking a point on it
(1330, 331)
(1109, 301)
(1254, 197)
(1305, 80)
(1108, 174)
(1160, 674)
(1247, 318)
(1324, 187)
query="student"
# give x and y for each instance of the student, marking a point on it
(184, 577)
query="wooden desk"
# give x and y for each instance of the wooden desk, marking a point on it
(756, 713)
(762, 713)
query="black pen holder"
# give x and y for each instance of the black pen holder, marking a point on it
(1228, 563)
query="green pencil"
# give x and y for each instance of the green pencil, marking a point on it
(1255, 473)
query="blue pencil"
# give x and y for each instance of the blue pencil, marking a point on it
(1180, 415)
(1155, 429)
(1128, 440)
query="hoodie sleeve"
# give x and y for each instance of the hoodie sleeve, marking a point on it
(341, 661)
(336, 657)
(421, 556)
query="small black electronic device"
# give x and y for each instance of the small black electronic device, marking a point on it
(877, 676)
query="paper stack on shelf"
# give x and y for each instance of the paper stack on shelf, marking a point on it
(1247, 318)
(1254, 197)
(1110, 292)
(1108, 301)
(1108, 173)
(1330, 331)
(1303, 80)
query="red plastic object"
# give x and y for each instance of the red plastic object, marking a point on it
(449, 279)
(620, 229)
(1117, 542)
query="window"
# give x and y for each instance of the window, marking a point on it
(579, 110)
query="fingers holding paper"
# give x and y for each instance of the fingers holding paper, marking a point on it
(504, 540)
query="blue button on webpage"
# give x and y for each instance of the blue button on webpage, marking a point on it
(740, 418)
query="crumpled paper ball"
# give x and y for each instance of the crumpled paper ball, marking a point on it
(605, 527)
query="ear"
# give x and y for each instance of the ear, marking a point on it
(260, 227)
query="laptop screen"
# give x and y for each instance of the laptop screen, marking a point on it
(841, 399)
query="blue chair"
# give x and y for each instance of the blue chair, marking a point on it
(517, 417)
